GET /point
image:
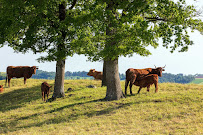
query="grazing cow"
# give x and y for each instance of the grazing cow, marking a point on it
(132, 74)
(45, 88)
(147, 80)
(1, 88)
(96, 74)
(19, 71)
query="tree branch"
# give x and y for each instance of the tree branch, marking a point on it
(73, 4)
(155, 19)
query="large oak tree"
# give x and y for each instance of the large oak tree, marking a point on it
(125, 27)
(42, 26)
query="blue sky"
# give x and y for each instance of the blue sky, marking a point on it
(190, 62)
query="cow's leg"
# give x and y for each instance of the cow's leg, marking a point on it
(126, 86)
(139, 90)
(148, 87)
(42, 96)
(132, 82)
(25, 80)
(156, 87)
(9, 79)
(47, 96)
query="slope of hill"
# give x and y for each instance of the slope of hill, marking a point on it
(175, 109)
(198, 81)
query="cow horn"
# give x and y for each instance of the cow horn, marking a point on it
(164, 66)
(155, 66)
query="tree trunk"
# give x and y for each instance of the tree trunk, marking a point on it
(104, 74)
(114, 91)
(59, 80)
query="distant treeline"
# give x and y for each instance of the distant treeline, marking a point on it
(166, 77)
(179, 78)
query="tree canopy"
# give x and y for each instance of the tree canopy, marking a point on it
(137, 24)
(39, 26)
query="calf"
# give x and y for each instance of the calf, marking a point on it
(45, 88)
(132, 74)
(96, 74)
(147, 80)
(1, 88)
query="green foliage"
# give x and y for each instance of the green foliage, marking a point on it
(36, 26)
(175, 109)
(121, 28)
(2, 75)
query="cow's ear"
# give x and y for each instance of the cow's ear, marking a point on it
(50, 86)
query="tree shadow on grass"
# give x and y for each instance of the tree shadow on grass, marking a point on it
(65, 118)
(17, 98)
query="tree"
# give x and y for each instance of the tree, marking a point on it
(122, 28)
(42, 26)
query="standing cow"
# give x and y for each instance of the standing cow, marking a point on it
(19, 71)
(132, 74)
(96, 74)
(45, 88)
(147, 80)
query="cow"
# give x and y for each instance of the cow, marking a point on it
(1, 88)
(132, 74)
(147, 80)
(18, 72)
(45, 89)
(96, 74)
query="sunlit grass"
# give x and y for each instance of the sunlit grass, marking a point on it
(175, 109)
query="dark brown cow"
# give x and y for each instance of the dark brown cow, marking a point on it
(19, 71)
(96, 74)
(147, 80)
(45, 88)
(132, 74)
(1, 88)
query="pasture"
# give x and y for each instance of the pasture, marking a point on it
(198, 81)
(176, 109)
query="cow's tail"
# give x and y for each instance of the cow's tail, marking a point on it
(126, 81)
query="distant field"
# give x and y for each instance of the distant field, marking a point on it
(175, 110)
(198, 81)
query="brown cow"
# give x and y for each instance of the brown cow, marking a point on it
(19, 71)
(132, 74)
(147, 80)
(1, 88)
(96, 74)
(45, 89)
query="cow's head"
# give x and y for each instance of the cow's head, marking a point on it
(158, 70)
(34, 68)
(91, 72)
(49, 88)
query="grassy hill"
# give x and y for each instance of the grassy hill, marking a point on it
(198, 81)
(175, 109)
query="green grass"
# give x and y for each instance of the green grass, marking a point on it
(176, 109)
(198, 81)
